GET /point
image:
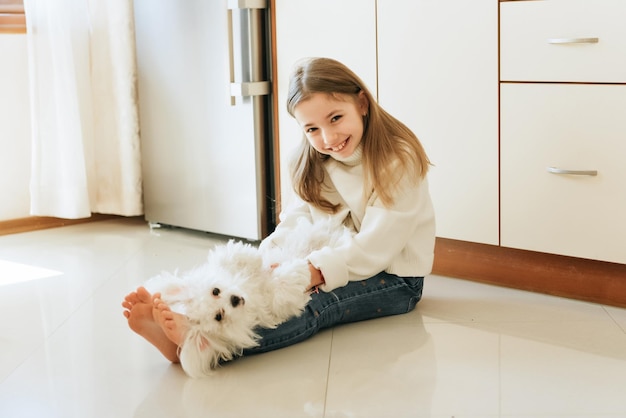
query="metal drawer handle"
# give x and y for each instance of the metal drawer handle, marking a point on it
(555, 170)
(573, 40)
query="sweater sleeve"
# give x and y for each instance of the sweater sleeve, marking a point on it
(386, 235)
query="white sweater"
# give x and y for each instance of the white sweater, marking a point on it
(399, 240)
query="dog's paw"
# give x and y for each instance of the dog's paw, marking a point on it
(236, 256)
(288, 293)
(292, 274)
(173, 289)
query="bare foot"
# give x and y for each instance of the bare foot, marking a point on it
(173, 324)
(139, 312)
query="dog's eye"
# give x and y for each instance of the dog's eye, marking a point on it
(216, 292)
(236, 301)
(218, 317)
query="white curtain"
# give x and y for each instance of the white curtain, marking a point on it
(85, 144)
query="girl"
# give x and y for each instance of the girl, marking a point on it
(359, 164)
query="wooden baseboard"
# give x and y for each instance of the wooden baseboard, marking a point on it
(575, 278)
(34, 223)
(12, 17)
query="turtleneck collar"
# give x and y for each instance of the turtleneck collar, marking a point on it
(354, 159)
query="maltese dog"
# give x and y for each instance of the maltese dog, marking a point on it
(242, 287)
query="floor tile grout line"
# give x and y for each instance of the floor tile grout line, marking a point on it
(330, 354)
(613, 319)
(500, 375)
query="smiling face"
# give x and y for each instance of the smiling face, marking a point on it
(333, 124)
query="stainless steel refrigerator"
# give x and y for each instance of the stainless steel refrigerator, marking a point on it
(205, 115)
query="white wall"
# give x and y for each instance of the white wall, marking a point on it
(14, 128)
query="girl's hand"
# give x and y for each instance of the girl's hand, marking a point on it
(317, 278)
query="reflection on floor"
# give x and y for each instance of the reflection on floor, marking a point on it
(468, 350)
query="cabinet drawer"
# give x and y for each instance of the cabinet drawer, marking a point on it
(572, 127)
(555, 40)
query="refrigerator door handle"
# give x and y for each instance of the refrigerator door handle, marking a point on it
(247, 4)
(252, 87)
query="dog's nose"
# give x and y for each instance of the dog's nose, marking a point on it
(219, 315)
(236, 301)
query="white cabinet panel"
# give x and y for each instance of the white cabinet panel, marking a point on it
(438, 73)
(563, 40)
(341, 29)
(573, 127)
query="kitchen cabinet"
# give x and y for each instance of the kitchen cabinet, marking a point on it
(432, 67)
(563, 131)
(497, 92)
(341, 29)
(438, 73)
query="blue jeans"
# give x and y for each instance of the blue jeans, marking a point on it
(381, 295)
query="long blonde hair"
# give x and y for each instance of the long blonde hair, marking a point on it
(391, 150)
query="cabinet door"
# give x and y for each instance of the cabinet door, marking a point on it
(572, 127)
(341, 29)
(438, 73)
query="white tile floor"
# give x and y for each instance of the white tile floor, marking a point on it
(469, 350)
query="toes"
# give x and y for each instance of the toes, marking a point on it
(169, 324)
(160, 305)
(143, 295)
(167, 315)
(131, 298)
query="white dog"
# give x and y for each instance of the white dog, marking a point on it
(242, 287)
